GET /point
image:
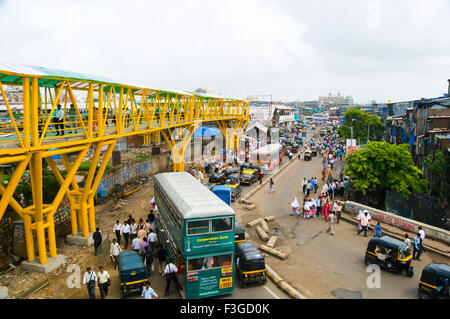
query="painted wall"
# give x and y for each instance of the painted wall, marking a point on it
(401, 222)
(127, 172)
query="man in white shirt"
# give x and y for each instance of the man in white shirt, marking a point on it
(117, 230)
(59, 119)
(133, 230)
(89, 280)
(104, 280)
(422, 237)
(148, 292)
(152, 238)
(115, 252)
(170, 272)
(125, 231)
(135, 244)
(364, 223)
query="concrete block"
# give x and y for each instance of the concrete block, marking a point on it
(273, 275)
(269, 218)
(52, 264)
(273, 252)
(250, 207)
(3, 292)
(272, 241)
(79, 240)
(254, 222)
(264, 225)
(262, 234)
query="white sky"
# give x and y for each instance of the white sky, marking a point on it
(292, 49)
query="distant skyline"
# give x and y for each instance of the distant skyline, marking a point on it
(290, 49)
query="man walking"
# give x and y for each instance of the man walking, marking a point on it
(170, 272)
(162, 255)
(73, 119)
(89, 280)
(125, 231)
(135, 244)
(97, 237)
(417, 247)
(422, 237)
(364, 224)
(104, 280)
(115, 252)
(59, 119)
(152, 239)
(117, 230)
(148, 257)
(331, 219)
(271, 183)
(148, 292)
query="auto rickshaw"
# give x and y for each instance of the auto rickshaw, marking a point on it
(295, 148)
(390, 254)
(434, 281)
(239, 233)
(248, 177)
(307, 155)
(132, 273)
(231, 171)
(233, 182)
(250, 266)
(313, 151)
(217, 179)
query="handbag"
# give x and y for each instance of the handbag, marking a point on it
(108, 282)
(91, 282)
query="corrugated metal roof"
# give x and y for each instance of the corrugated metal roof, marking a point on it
(12, 73)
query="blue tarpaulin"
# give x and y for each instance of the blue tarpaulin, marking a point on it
(206, 131)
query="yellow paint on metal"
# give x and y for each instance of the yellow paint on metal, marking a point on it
(122, 110)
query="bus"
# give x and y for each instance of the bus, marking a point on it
(197, 229)
(268, 156)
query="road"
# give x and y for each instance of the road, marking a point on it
(319, 263)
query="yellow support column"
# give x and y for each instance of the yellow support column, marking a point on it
(36, 183)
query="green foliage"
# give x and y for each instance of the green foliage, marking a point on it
(84, 167)
(50, 185)
(306, 113)
(381, 166)
(143, 156)
(438, 165)
(363, 124)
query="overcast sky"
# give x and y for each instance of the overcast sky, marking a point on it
(291, 49)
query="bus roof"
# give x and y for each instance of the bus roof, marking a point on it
(190, 197)
(268, 149)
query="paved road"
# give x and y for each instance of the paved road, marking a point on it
(319, 263)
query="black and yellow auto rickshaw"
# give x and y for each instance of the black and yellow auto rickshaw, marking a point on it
(236, 189)
(239, 233)
(307, 155)
(131, 272)
(434, 281)
(390, 254)
(313, 151)
(248, 177)
(231, 171)
(217, 179)
(250, 265)
(295, 147)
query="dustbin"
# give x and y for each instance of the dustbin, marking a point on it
(19, 245)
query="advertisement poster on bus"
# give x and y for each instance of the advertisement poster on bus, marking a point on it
(202, 244)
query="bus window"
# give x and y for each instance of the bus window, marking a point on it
(198, 227)
(196, 264)
(222, 261)
(222, 224)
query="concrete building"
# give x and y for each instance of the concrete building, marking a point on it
(336, 100)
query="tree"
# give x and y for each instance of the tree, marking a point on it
(381, 166)
(438, 165)
(364, 125)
